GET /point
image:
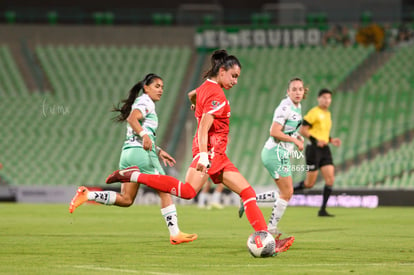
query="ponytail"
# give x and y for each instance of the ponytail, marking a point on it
(127, 103)
(220, 58)
(125, 109)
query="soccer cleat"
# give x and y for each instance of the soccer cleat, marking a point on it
(183, 238)
(80, 198)
(241, 209)
(283, 244)
(324, 213)
(123, 175)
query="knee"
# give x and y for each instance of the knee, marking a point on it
(187, 192)
(128, 202)
(330, 180)
(286, 194)
(247, 193)
(309, 183)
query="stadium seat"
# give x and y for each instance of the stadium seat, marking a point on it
(73, 139)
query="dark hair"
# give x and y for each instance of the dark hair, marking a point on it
(324, 91)
(220, 58)
(125, 109)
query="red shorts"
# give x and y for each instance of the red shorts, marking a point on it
(219, 164)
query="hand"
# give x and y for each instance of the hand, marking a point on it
(299, 144)
(336, 142)
(321, 143)
(203, 162)
(146, 143)
(166, 158)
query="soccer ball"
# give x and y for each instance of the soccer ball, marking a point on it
(261, 244)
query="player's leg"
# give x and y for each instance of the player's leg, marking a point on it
(268, 196)
(124, 199)
(161, 183)
(277, 163)
(271, 162)
(308, 182)
(169, 213)
(238, 184)
(286, 191)
(328, 172)
(188, 190)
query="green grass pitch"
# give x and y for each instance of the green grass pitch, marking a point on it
(96, 239)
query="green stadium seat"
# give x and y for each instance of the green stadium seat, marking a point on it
(10, 16)
(52, 17)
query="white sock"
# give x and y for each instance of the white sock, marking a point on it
(102, 197)
(277, 212)
(135, 176)
(269, 196)
(170, 216)
(216, 197)
(202, 199)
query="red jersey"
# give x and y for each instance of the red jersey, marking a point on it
(212, 100)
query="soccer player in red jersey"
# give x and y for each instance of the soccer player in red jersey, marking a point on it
(212, 111)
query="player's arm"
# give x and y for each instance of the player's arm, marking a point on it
(165, 157)
(192, 96)
(276, 132)
(335, 141)
(304, 131)
(205, 123)
(133, 119)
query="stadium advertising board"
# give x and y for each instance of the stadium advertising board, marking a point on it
(240, 37)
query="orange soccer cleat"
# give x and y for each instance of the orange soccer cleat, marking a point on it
(283, 244)
(80, 198)
(183, 238)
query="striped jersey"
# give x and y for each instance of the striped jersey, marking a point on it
(149, 121)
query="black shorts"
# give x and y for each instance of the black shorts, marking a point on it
(317, 157)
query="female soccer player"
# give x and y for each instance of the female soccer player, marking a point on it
(139, 149)
(278, 148)
(212, 111)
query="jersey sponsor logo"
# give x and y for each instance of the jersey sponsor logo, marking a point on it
(216, 106)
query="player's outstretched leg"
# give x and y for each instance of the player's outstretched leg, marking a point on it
(183, 238)
(163, 183)
(80, 198)
(122, 175)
